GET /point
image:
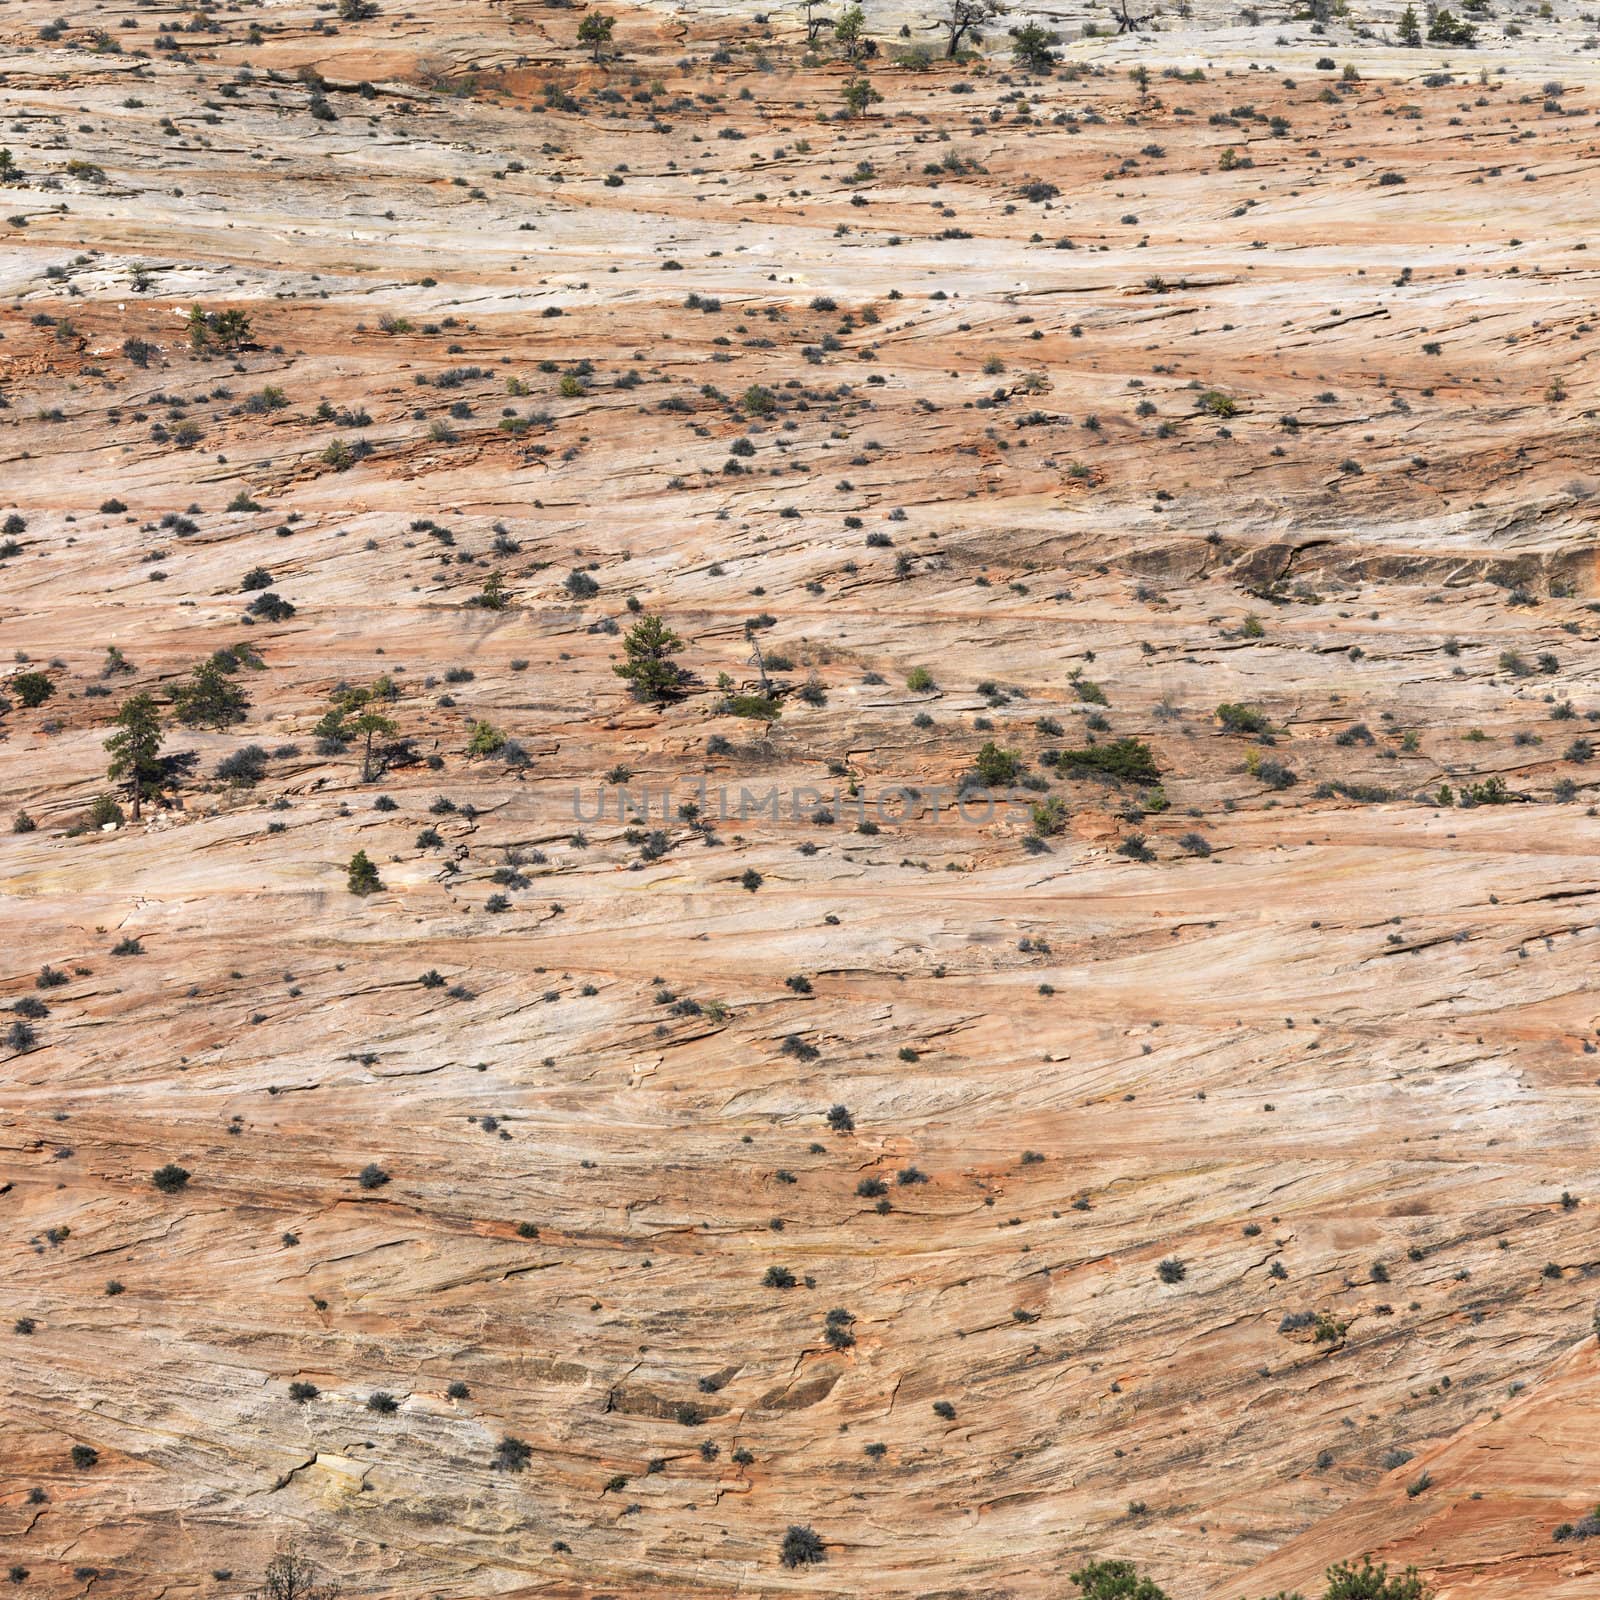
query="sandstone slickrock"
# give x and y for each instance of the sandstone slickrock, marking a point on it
(1194, 1167)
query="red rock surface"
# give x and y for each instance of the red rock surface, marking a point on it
(1343, 1066)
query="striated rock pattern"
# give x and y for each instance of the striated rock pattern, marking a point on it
(1069, 1033)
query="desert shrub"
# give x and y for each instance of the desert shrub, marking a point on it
(1491, 792)
(1587, 1527)
(170, 1178)
(270, 607)
(32, 688)
(289, 1576)
(1128, 759)
(245, 768)
(1242, 719)
(801, 1547)
(1049, 816)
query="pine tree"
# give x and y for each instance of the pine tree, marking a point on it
(595, 31)
(1410, 28)
(217, 330)
(1031, 48)
(649, 647)
(1445, 28)
(494, 596)
(858, 95)
(367, 723)
(210, 699)
(135, 747)
(1367, 1582)
(1115, 1580)
(850, 30)
(362, 875)
(354, 715)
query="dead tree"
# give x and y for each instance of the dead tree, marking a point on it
(968, 16)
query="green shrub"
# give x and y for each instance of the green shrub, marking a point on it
(1127, 759)
(994, 766)
(32, 688)
(105, 811)
(1242, 719)
(762, 707)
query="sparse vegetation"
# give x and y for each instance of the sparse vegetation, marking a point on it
(850, 591)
